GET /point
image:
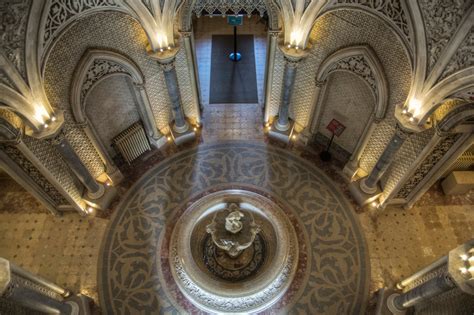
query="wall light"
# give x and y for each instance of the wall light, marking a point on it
(40, 113)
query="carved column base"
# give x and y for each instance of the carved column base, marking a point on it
(96, 195)
(281, 127)
(350, 169)
(284, 135)
(182, 137)
(363, 198)
(367, 189)
(385, 303)
(115, 175)
(180, 129)
(104, 201)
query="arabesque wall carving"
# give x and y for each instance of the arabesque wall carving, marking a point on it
(13, 20)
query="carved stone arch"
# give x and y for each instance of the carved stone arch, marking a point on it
(17, 103)
(186, 13)
(11, 126)
(93, 67)
(456, 117)
(398, 20)
(363, 62)
(460, 81)
(454, 135)
(58, 15)
(98, 65)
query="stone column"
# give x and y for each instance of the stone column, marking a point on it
(424, 292)
(94, 189)
(111, 169)
(194, 76)
(171, 79)
(289, 75)
(31, 294)
(269, 68)
(146, 113)
(351, 167)
(369, 184)
(319, 90)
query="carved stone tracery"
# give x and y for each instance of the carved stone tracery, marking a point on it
(98, 70)
(13, 20)
(463, 58)
(61, 11)
(359, 66)
(15, 155)
(213, 6)
(392, 9)
(441, 20)
(436, 155)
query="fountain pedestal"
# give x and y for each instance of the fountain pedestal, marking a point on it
(233, 251)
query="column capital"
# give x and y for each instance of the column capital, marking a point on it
(168, 66)
(319, 84)
(164, 56)
(401, 132)
(274, 33)
(186, 34)
(139, 86)
(292, 56)
(83, 124)
(58, 138)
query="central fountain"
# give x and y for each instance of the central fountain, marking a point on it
(233, 251)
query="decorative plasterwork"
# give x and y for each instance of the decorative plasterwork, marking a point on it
(393, 10)
(94, 66)
(5, 79)
(363, 62)
(441, 19)
(224, 6)
(97, 70)
(61, 12)
(34, 174)
(463, 58)
(436, 155)
(13, 20)
(359, 66)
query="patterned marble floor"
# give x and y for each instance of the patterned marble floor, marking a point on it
(333, 270)
(65, 249)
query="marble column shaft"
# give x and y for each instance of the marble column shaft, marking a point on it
(424, 292)
(272, 46)
(385, 160)
(289, 76)
(194, 77)
(95, 190)
(171, 80)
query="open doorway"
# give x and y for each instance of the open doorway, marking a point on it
(232, 92)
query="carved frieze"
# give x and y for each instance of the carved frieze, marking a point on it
(61, 11)
(441, 18)
(463, 58)
(214, 6)
(391, 9)
(436, 155)
(359, 66)
(13, 20)
(6, 80)
(98, 69)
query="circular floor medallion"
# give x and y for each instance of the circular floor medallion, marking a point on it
(331, 275)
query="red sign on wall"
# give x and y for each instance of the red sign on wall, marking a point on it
(336, 127)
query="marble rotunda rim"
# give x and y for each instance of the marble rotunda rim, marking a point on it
(364, 279)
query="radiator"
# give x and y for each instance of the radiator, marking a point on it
(132, 142)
